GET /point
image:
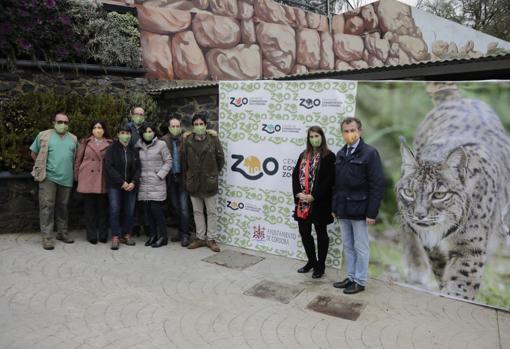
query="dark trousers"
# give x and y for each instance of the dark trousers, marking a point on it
(179, 201)
(96, 216)
(121, 201)
(154, 212)
(305, 230)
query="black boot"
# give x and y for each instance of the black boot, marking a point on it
(151, 240)
(185, 240)
(160, 242)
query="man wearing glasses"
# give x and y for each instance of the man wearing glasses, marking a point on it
(53, 151)
(137, 119)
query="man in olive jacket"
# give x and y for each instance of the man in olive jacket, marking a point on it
(203, 160)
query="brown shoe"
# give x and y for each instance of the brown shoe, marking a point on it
(65, 238)
(128, 240)
(115, 243)
(48, 243)
(213, 245)
(197, 243)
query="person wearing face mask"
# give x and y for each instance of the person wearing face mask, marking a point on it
(203, 160)
(357, 195)
(122, 166)
(89, 173)
(312, 184)
(175, 181)
(137, 120)
(156, 161)
(53, 153)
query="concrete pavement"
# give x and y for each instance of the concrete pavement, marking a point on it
(87, 296)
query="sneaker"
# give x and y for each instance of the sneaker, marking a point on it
(197, 243)
(213, 245)
(115, 243)
(127, 240)
(47, 243)
(65, 238)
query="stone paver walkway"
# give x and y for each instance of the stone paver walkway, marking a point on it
(86, 296)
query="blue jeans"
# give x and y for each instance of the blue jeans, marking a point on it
(356, 249)
(179, 199)
(122, 204)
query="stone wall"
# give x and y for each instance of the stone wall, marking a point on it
(23, 80)
(185, 108)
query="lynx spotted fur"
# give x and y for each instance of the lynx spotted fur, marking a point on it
(454, 191)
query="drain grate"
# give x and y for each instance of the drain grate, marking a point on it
(336, 306)
(276, 291)
(233, 259)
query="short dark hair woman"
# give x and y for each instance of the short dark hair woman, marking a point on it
(155, 162)
(312, 185)
(89, 172)
(122, 166)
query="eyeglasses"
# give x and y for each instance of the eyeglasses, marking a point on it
(62, 122)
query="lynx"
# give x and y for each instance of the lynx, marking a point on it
(453, 195)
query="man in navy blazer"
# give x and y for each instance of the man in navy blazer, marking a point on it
(357, 195)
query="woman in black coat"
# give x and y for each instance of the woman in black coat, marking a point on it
(312, 183)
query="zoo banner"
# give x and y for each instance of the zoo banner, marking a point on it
(443, 223)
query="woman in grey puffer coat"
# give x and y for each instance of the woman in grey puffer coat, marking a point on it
(156, 161)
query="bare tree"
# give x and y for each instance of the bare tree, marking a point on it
(489, 16)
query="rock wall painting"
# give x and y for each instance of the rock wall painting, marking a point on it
(262, 39)
(230, 39)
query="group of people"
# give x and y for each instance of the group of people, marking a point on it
(136, 167)
(114, 174)
(349, 187)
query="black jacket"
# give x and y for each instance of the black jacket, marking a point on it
(320, 210)
(122, 164)
(359, 183)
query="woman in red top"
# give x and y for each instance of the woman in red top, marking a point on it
(89, 172)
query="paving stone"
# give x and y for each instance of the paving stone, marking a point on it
(87, 296)
(234, 259)
(337, 306)
(277, 291)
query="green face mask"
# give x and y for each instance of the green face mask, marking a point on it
(61, 128)
(175, 131)
(137, 119)
(199, 130)
(316, 142)
(148, 136)
(124, 138)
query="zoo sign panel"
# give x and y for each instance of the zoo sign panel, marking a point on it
(263, 128)
(443, 223)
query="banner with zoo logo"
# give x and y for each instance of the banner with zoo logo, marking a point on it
(263, 128)
(443, 223)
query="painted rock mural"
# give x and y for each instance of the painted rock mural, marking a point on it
(263, 39)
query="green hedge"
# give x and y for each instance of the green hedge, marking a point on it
(23, 117)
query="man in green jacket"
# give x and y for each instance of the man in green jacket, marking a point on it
(203, 160)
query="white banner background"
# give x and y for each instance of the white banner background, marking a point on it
(263, 127)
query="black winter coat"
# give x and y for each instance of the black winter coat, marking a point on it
(320, 210)
(359, 183)
(122, 164)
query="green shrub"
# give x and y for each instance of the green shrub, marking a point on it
(23, 117)
(79, 31)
